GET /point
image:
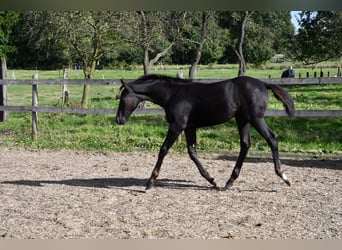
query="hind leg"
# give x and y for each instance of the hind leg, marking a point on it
(245, 142)
(190, 134)
(272, 140)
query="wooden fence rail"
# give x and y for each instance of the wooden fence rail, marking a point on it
(35, 109)
(281, 81)
(155, 111)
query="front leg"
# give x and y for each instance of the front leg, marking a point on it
(171, 137)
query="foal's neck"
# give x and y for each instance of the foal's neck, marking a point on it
(156, 92)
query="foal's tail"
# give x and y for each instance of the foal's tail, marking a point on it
(284, 97)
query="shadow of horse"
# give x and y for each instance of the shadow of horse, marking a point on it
(120, 183)
(334, 164)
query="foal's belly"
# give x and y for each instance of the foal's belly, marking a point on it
(209, 117)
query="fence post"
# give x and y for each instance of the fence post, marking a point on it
(65, 93)
(34, 104)
(4, 115)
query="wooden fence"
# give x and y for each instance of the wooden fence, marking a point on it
(35, 108)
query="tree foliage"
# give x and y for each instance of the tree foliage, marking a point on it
(319, 36)
(8, 19)
(83, 35)
(56, 39)
(266, 33)
(154, 32)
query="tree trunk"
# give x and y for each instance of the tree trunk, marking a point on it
(146, 44)
(85, 95)
(146, 62)
(239, 50)
(161, 54)
(205, 17)
(3, 91)
(88, 71)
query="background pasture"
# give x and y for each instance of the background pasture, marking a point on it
(146, 132)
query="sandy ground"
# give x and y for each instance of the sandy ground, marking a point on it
(71, 194)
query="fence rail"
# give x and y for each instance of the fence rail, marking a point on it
(156, 111)
(35, 108)
(281, 81)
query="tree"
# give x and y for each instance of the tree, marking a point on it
(235, 23)
(204, 25)
(258, 43)
(36, 46)
(265, 33)
(91, 34)
(239, 50)
(155, 32)
(187, 50)
(85, 35)
(276, 28)
(8, 19)
(319, 36)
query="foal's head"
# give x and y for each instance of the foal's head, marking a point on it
(128, 103)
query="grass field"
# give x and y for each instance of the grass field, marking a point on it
(146, 132)
(203, 71)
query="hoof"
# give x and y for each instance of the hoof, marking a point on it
(213, 182)
(286, 180)
(228, 185)
(149, 185)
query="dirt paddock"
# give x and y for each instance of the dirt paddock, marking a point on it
(69, 194)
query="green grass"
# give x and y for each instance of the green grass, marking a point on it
(203, 71)
(147, 132)
(306, 97)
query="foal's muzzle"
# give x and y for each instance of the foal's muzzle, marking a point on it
(120, 120)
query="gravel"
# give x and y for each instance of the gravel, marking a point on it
(48, 194)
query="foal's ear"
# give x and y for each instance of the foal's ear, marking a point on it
(124, 85)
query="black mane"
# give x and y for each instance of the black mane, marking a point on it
(164, 78)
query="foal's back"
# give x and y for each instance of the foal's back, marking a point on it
(216, 103)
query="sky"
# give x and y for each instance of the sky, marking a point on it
(293, 19)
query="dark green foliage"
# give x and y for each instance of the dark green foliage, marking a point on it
(319, 37)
